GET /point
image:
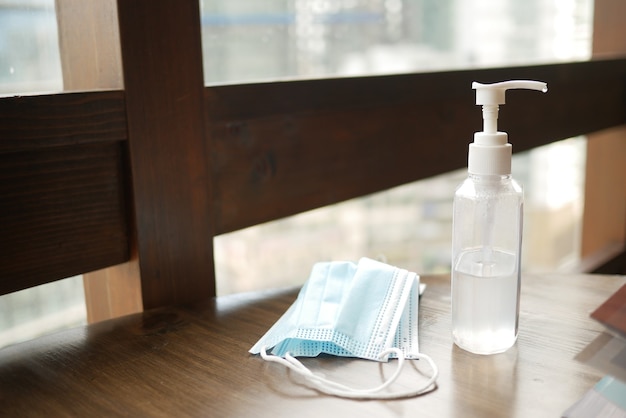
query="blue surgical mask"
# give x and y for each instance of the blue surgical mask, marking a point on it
(367, 310)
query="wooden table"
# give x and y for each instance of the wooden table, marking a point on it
(193, 361)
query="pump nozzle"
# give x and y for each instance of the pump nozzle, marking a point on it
(493, 94)
(490, 153)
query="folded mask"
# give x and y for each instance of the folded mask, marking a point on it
(367, 310)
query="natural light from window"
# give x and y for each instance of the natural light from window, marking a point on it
(248, 41)
(263, 40)
(251, 40)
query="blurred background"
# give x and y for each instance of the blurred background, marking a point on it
(410, 226)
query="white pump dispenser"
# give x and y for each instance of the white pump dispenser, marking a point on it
(490, 153)
(487, 235)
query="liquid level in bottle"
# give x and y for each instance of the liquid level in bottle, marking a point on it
(485, 300)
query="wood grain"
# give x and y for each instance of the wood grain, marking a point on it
(162, 63)
(62, 183)
(62, 213)
(299, 145)
(35, 122)
(89, 48)
(192, 360)
(604, 217)
(89, 44)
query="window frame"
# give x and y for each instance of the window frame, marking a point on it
(198, 161)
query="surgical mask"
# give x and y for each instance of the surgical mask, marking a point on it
(367, 310)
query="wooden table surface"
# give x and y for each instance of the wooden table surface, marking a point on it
(194, 361)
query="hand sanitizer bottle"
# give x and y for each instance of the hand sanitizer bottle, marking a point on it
(487, 235)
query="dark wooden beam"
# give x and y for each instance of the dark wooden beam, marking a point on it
(36, 122)
(286, 147)
(62, 174)
(62, 213)
(163, 79)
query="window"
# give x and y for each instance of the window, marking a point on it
(249, 41)
(411, 225)
(29, 48)
(30, 63)
(246, 41)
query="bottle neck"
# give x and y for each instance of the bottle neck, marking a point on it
(489, 178)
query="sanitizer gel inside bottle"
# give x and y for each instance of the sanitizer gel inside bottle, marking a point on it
(487, 235)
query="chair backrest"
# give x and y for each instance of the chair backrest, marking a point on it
(176, 162)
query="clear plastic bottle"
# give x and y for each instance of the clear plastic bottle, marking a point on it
(486, 265)
(487, 236)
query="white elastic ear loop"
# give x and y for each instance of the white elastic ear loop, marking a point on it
(337, 389)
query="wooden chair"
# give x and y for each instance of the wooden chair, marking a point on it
(91, 180)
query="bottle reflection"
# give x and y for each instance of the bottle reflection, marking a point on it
(486, 384)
